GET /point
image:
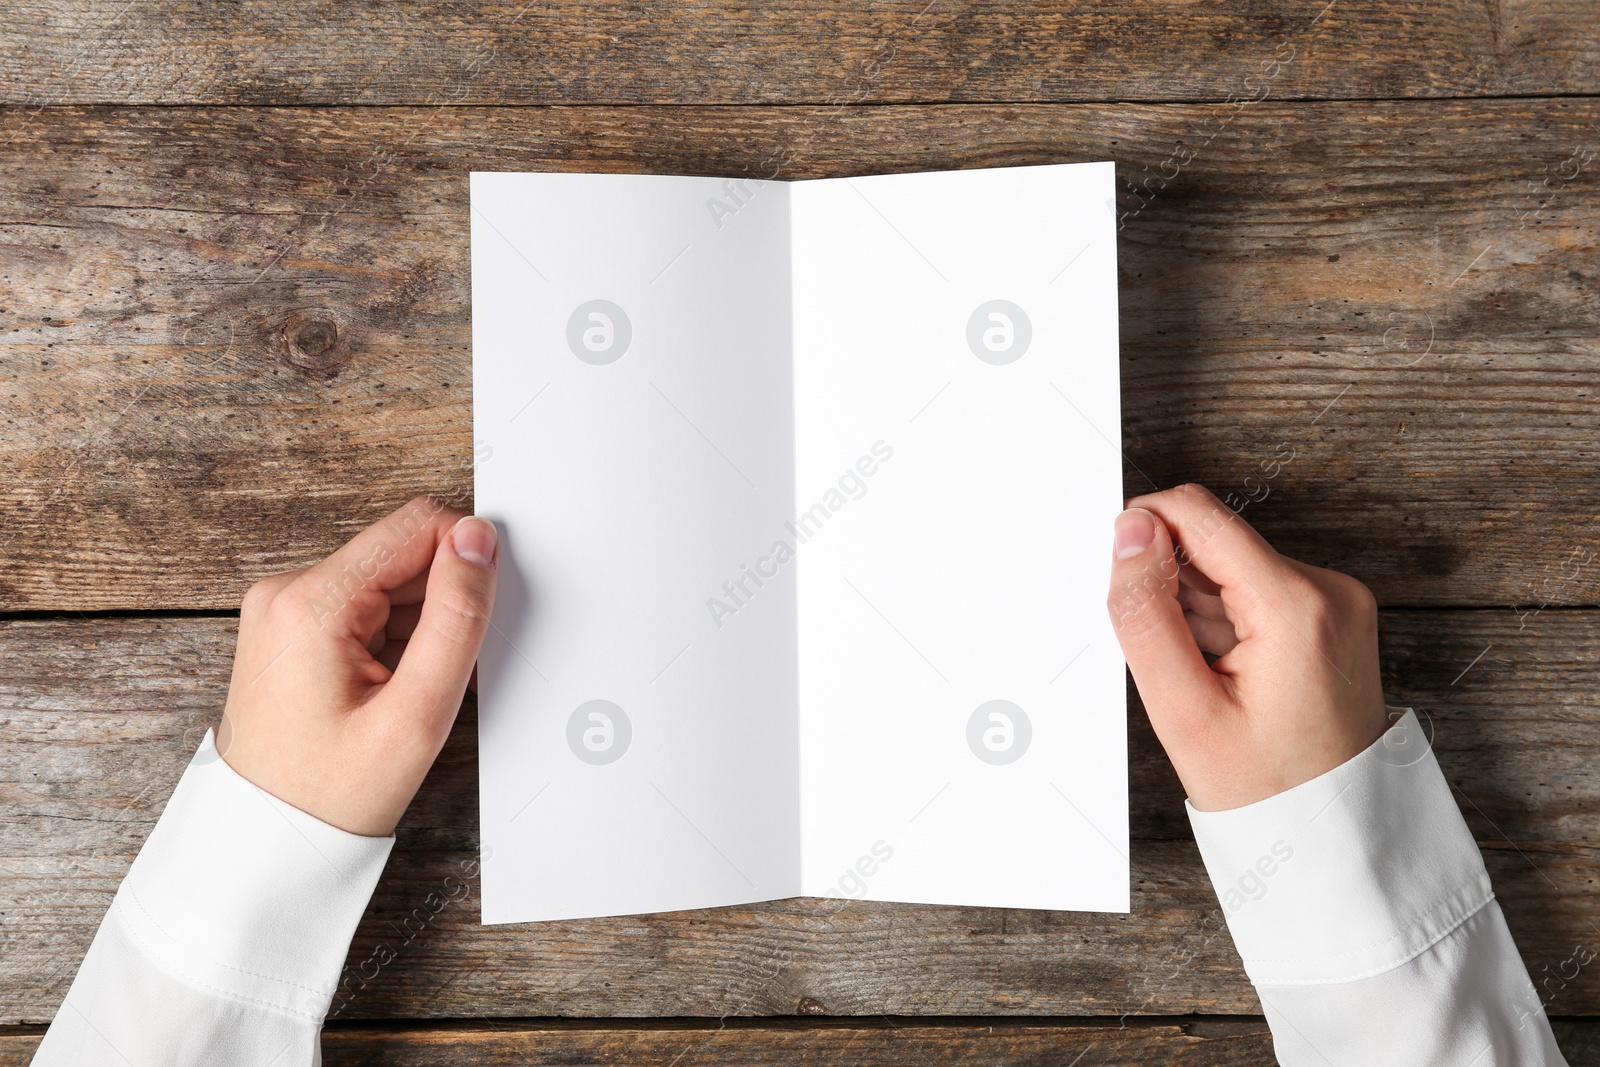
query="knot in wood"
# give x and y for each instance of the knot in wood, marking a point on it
(313, 342)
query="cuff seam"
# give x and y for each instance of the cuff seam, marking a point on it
(169, 961)
(1373, 972)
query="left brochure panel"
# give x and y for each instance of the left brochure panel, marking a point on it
(634, 442)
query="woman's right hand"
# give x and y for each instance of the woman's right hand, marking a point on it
(1294, 689)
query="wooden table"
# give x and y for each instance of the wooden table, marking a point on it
(234, 310)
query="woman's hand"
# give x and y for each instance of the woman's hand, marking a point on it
(348, 674)
(1294, 691)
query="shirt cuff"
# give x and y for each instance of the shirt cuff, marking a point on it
(245, 897)
(1348, 875)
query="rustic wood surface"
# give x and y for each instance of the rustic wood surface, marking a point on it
(101, 715)
(515, 52)
(230, 336)
(1188, 1042)
(234, 336)
(1191, 1043)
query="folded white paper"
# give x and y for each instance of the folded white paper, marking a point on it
(805, 492)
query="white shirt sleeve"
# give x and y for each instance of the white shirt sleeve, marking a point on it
(225, 941)
(1362, 910)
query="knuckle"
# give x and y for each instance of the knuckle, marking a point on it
(459, 615)
(1321, 609)
(1133, 623)
(1195, 492)
(1362, 603)
(1335, 608)
(255, 600)
(260, 597)
(1303, 599)
(292, 612)
(1131, 604)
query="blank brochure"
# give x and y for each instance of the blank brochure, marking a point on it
(805, 492)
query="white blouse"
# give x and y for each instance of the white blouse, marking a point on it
(1358, 901)
(1361, 908)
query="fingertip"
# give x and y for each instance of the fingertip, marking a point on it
(452, 622)
(476, 540)
(1135, 532)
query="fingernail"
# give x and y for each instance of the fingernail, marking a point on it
(475, 540)
(1136, 529)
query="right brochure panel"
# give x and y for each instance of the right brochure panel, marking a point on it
(958, 468)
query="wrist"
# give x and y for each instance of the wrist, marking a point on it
(1349, 874)
(1301, 753)
(241, 893)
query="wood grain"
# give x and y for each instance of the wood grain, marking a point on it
(232, 337)
(1186, 1043)
(99, 716)
(1190, 1042)
(511, 52)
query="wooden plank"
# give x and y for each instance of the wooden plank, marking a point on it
(233, 337)
(1183, 1043)
(1479, 679)
(98, 717)
(1106, 1044)
(1172, 955)
(1002, 1043)
(1470, 674)
(501, 52)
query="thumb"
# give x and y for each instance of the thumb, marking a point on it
(1162, 655)
(432, 674)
